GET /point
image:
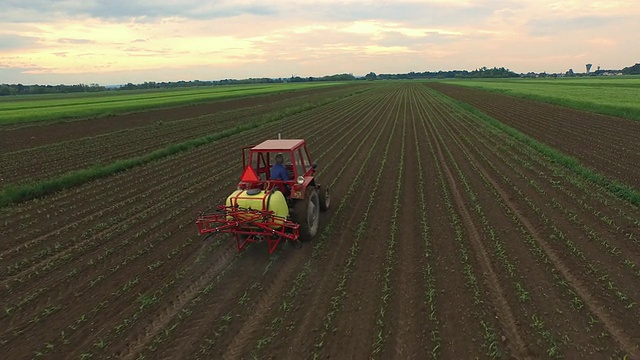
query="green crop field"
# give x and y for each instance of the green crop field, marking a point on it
(616, 96)
(30, 108)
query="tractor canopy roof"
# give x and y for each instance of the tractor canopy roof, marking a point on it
(278, 145)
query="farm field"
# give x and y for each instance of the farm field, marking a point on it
(69, 147)
(448, 237)
(51, 107)
(607, 144)
(613, 95)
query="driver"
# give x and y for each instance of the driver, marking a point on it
(278, 171)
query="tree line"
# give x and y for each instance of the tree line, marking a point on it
(19, 89)
(483, 72)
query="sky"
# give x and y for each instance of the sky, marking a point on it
(119, 41)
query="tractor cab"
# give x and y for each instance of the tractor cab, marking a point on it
(259, 162)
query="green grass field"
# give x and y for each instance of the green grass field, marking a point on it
(32, 108)
(616, 96)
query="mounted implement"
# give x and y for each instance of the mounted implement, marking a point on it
(277, 198)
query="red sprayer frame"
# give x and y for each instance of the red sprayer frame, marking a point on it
(249, 225)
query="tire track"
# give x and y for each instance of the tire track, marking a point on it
(180, 299)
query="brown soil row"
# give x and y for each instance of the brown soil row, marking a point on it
(23, 136)
(248, 323)
(39, 163)
(185, 220)
(538, 226)
(98, 206)
(607, 144)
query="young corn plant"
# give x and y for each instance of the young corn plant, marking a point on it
(380, 338)
(429, 276)
(340, 291)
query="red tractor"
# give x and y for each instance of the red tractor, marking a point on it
(277, 198)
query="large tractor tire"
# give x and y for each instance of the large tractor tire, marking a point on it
(307, 214)
(325, 198)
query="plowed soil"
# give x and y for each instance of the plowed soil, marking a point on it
(607, 144)
(446, 238)
(27, 135)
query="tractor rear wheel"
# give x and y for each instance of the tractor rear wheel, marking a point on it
(325, 198)
(307, 214)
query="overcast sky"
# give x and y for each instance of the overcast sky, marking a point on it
(120, 41)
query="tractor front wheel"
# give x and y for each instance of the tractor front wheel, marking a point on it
(307, 214)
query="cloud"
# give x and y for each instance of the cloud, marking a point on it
(143, 10)
(424, 14)
(12, 42)
(74, 41)
(565, 25)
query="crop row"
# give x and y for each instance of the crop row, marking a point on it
(550, 221)
(230, 317)
(104, 227)
(607, 144)
(448, 237)
(54, 160)
(303, 270)
(205, 194)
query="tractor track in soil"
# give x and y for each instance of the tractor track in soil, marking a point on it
(521, 256)
(606, 262)
(452, 278)
(594, 305)
(357, 315)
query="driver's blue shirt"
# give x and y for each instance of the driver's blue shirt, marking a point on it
(278, 172)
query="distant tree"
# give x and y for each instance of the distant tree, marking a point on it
(371, 76)
(5, 90)
(632, 70)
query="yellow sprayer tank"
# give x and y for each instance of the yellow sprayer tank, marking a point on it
(261, 200)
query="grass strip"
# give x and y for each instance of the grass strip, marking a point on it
(629, 112)
(16, 193)
(619, 189)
